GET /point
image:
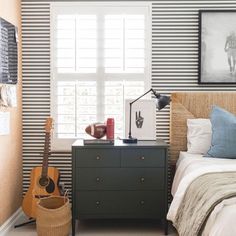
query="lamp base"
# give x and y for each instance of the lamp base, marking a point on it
(130, 140)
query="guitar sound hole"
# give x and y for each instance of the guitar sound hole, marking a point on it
(43, 181)
(47, 183)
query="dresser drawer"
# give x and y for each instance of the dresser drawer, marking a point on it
(97, 157)
(145, 157)
(98, 202)
(120, 178)
(121, 203)
(144, 178)
(143, 203)
(98, 178)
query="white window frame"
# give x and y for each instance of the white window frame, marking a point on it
(90, 7)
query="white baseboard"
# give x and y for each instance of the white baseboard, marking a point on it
(9, 224)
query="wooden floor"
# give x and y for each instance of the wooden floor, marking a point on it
(105, 228)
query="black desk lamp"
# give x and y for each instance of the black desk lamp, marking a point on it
(162, 101)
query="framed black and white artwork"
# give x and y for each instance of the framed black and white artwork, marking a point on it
(217, 46)
(8, 52)
(143, 119)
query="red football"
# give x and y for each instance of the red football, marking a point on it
(96, 130)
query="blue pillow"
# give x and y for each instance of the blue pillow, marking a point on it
(223, 144)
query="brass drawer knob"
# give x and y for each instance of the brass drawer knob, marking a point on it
(98, 158)
(142, 158)
(98, 179)
(142, 179)
(142, 202)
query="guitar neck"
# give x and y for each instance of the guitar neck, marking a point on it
(45, 155)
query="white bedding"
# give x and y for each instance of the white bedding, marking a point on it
(221, 221)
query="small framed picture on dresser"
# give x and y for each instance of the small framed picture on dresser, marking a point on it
(217, 47)
(143, 119)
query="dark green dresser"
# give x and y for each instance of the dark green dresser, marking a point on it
(120, 181)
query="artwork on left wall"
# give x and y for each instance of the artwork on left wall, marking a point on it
(8, 52)
(8, 95)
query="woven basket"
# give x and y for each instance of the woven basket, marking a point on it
(53, 216)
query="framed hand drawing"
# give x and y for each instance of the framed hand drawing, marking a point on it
(217, 46)
(143, 119)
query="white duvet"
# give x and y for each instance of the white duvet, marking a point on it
(222, 220)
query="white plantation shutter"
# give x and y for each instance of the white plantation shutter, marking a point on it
(86, 43)
(76, 105)
(65, 44)
(66, 109)
(124, 43)
(76, 43)
(100, 57)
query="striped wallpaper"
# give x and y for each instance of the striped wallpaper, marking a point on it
(36, 90)
(174, 68)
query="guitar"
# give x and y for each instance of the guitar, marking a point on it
(43, 180)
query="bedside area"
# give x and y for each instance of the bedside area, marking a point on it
(120, 181)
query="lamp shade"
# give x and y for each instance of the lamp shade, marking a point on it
(162, 101)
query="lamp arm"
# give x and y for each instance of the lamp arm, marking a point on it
(143, 95)
(130, 107)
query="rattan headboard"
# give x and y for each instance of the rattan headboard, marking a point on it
(189, 105)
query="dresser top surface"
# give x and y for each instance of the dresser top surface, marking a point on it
(119, 143)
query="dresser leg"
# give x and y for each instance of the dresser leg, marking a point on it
(73, 227)
(166, 227)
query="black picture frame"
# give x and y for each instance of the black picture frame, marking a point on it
(8, 52)
(216, 46)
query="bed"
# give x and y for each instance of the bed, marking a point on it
(220, 220)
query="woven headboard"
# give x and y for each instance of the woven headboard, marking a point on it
(190, 105)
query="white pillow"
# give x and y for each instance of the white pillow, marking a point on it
(199, 135)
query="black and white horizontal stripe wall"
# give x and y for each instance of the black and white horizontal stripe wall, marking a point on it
(174, 68)
(36, 90)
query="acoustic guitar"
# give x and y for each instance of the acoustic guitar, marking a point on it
(43, 180)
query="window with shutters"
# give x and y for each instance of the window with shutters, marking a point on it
(100, 57)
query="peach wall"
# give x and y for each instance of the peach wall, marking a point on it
(11, 145)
